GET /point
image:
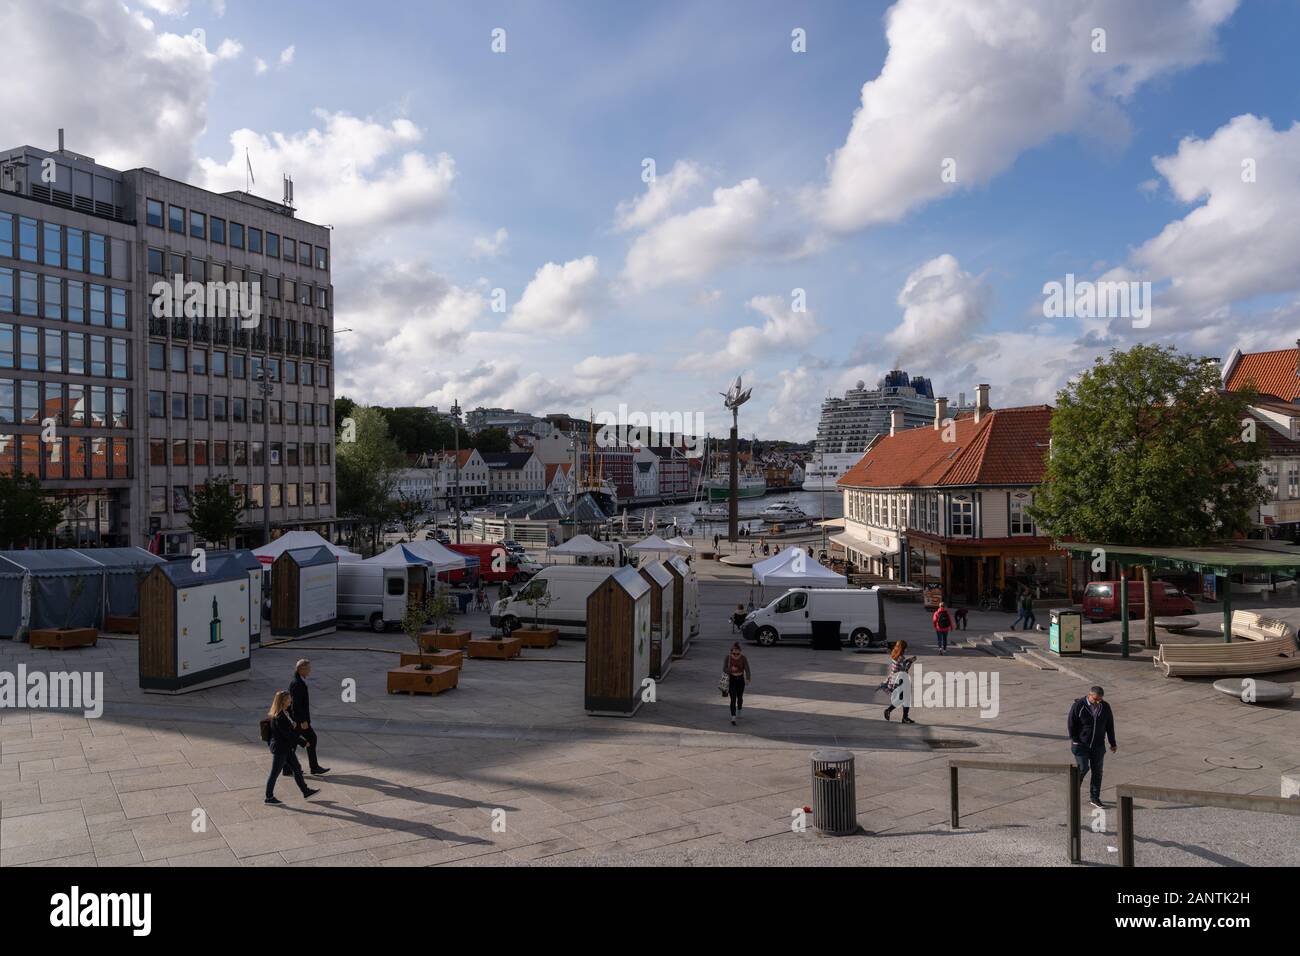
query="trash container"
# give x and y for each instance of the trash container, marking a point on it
(1065, 636)
(826, 635)
(834, 797)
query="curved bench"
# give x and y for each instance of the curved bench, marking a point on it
(1269, 645)
(1254, 626)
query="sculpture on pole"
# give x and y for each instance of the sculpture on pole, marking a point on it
(733, 398)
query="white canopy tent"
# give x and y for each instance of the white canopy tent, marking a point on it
(442, 558)
(794, 568)
(655, 543)
(583, 546)
(682, 545)
(295, 540)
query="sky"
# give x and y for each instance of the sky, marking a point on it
(577, 206)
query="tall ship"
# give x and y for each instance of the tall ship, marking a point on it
(849, 424)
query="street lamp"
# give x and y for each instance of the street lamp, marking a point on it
(455, 427)
(733, 398)
(265, 388)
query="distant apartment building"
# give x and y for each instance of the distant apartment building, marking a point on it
(146, 407)
(515, 475)
(506, 419)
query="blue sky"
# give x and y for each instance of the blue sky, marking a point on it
(474, 171)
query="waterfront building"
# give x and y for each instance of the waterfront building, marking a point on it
(514, 475)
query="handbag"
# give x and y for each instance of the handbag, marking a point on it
(724, 685)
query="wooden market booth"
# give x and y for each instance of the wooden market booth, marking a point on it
(662, 585)
(304, 593)
(618, 644)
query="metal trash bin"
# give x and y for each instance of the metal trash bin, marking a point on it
(834, 795)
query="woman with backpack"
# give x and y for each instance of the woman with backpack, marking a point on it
(899, 665)
(942, 625)
(735, 668)
(281, 733)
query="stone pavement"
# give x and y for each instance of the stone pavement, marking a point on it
(419, 781)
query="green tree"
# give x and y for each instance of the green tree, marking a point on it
(215, 510)
(343, 407)
(411, 510)
(366, 470)
(1148, 450)
(491, 440)
(25, 513)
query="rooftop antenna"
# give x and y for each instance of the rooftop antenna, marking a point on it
(288, 191)
(60, 139)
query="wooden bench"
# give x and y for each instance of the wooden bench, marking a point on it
(1254, 626)
(1226, 660)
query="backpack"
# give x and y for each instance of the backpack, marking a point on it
(265, 728)
(943, 622)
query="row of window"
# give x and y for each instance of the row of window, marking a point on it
(169, 265)
(65, 457)
(921, 512)
(184, 406)
(1271, 476)
(201, 362)
(73, 353)
(313, 493)
(219, 454)
(77, 406)
(27, 239)
(197, 225)
(37, 294)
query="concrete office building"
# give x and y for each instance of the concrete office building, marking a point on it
(149, 406)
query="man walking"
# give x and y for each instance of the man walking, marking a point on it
(1091, 724)
(302, 714)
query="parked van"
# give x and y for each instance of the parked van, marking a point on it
(489, 556)
(371, 594)
(1101, 600)
(567, 586)
(859, 611)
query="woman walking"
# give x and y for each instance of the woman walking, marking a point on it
(284, 741)
(942, 625)
(899, 665)
(736, 669)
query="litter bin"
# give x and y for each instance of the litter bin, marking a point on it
(826, 635)
(1065, 636)
(834, 796)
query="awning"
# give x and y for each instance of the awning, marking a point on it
(858, 543)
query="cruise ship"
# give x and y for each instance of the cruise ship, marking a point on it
(849, 424)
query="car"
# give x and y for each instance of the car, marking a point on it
(1101, 600)
(859, 612)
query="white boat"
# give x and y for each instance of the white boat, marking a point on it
(824, 470)
(783, 511)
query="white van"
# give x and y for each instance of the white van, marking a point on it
(567, 586)
(371, 594)
(860, 613)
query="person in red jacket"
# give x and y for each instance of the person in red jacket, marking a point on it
(942, 625)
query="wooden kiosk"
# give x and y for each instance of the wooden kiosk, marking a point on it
(196, 628)
(681, 620)
(618, 644)
(662, 586)
(304, 593)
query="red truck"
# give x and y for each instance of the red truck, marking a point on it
(1101, 600)
(494, 565)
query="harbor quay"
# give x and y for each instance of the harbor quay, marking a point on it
(509, 770)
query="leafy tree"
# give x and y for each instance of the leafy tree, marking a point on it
(25, 513)
(410, 509)
(418, 614)
(492, 440)
(1148, 450)
(343, 408)
(366, 470)
(215, 510)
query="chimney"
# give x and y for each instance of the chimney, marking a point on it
(981, 401)
(895, 421)
(60, 139)
(940, 412)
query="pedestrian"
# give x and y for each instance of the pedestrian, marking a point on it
(715, 542)
(959, 616)
(737, 618)
(302, 714)
(942, 625)
(751, 550)
(1025, 610)
(503, 592)
(480, 598)
(899, 666)
(735, 667)
(1030, 622)
(1091, 724)
(283, 738)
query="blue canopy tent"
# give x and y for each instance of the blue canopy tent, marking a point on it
(124, 569)
(60, 588)
(12, 603)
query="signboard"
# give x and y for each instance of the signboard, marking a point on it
(933, 595)
(317, 594)
(212, 626)
(1210, 587)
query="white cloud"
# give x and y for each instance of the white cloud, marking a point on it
(229, 50)
(980, 83)
(286, 56)
(693, 244)
(168, 8)
(489, 247)
(661, 194)
(782, 331)
(707, 297)
(943, 309)
(357, 174)
(259, 66)
(558, 299)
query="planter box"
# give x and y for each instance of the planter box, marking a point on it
(537, 637)
(118, 624)
(440, 658)
(411, 680)
(438, 641)
(59, 638)
(490, 649)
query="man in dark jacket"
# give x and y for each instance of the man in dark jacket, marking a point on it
(1091, 725)
(302, 714)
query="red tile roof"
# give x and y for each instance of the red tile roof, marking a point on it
(1007, 446)
(1271, 373)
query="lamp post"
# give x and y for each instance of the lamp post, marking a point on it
(733, 398)
(455, 427)
(265, 388)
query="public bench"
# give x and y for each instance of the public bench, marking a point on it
(1254, 656)
(1254, 626)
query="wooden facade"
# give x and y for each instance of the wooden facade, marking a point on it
(662, 587)
(680, 621)
(289, 616)
(618, 644)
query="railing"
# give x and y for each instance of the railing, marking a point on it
(259, 341)
(180, 328)
(221, 337)
(277, 343)
(241, 340)
(1073, 838)
(1127, 792)
(325, 350)
(157, 326)
(309, 348)
(201, 332)
(293, 346)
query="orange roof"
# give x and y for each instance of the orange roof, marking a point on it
(1270, 373)
(550, 471)
(1005, 447)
